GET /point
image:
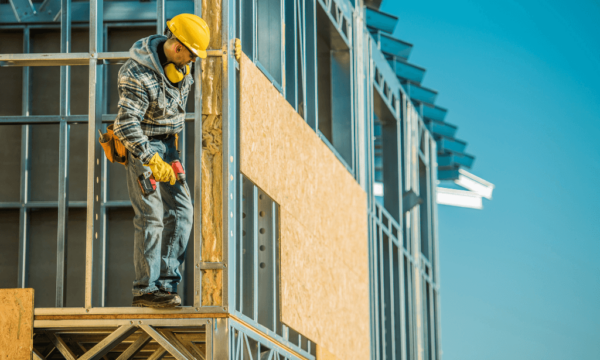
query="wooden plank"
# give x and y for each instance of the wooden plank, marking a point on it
(16, 322)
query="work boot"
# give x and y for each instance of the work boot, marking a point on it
(177, 297)
(157, 299)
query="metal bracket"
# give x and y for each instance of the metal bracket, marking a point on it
(214, 52)
(22, 9)
(52, 8)
(212, 266)
(409, 200)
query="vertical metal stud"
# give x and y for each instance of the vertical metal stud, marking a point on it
(435, 274)
(275, 262)
(402, 304)
(254, 220)
(25, 160)
(381, 283)
(239, 250)
(160, 16)
(392, 299)
(101, 244)
(417, 284)
(63, 161)
(359, 93)
(411, 311)
(198, 173)
(63, 213)
(432, 324)
(94, 153)
(230, 141)
(373, 288)
(220, 339)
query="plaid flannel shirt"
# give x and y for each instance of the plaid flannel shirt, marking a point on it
(148, 105)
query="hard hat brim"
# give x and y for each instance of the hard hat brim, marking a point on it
(201, 54)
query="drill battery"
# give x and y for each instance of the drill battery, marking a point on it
(147, 183)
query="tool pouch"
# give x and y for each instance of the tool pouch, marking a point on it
(114, 149)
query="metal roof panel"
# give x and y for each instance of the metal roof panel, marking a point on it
(381, 21)
(391, 45)
(434, 113)
(420, 93)
(407, 71)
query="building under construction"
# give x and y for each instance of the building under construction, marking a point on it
(314, 161)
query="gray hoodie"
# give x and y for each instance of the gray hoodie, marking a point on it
(149, 104)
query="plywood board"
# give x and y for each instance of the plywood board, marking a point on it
(16, 322)
(324, 254)
(324, 354)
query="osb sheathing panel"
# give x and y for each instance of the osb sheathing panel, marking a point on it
(324, 263)
(16, 322)
(212, 157)
(324, 354)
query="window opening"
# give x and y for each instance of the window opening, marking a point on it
(300, 54)
(269, 38)
(300, 58)
(386, 156)
(335, 87)
(424, 210)
(247, 34)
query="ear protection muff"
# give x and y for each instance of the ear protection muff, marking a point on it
(175, 74)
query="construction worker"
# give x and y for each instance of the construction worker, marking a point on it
(153, 91)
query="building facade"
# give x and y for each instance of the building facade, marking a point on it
(313, 164)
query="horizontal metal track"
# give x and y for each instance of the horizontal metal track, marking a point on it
(72, 59)
(100, 323)
(129, 310)
(55, 119)
(54, 204)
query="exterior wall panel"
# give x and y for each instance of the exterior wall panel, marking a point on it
(324, 260)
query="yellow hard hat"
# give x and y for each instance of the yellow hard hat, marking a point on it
(192, 32)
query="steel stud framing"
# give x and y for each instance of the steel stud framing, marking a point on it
(403, 240)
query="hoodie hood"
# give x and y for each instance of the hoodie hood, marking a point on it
(144, 52)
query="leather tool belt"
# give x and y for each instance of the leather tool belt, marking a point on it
(113, 148)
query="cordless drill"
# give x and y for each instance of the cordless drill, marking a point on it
(148, 183)
(179, 174)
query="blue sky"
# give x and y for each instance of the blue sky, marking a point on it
(521, 278)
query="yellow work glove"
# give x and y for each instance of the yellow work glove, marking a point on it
(162, 171)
